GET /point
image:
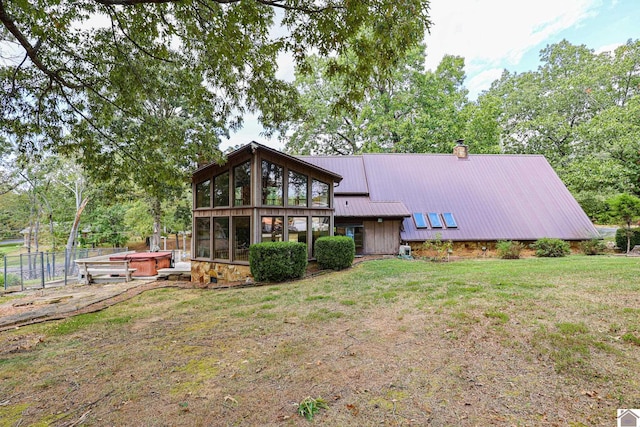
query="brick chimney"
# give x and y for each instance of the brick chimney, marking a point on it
(461, 151)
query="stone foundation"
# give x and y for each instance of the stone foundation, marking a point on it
(205, 272)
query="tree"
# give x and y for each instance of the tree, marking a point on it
(60, 59)
(626, 208)
(410, 111)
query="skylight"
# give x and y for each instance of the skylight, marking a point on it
(420, 220)
(434, 219)
(449, 220)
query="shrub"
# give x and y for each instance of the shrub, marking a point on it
(441, 249)
(508, 249)
(277, 261)
(592, 247)
(335, 252)
(548, 247)
(621, 238)
(12, 280)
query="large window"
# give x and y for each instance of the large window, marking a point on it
(241, 238)
(297, 189)
(272, 184)
(221, 238)
(203, 194)
(221, 190)
(203, 238)
(297, 226)
(319, 228)
(319, 194)
(272, 230)
(242, 184)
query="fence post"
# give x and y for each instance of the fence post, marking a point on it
(65, 265)
(21, 273)
(5, 272)
(42, 269)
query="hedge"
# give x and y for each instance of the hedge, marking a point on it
(335, 252)
(277, 261)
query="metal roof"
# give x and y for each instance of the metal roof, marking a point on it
(492, 197)
(362, 206)
(351, 168)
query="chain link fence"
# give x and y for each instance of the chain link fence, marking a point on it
(44, 269)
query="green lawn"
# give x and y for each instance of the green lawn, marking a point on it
(389, 342)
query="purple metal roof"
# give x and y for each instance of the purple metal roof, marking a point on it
(492, 197)
(362, 206)
(351, 168)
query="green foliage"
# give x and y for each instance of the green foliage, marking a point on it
(107, 226)
(622, 234)
(335, 252)
(595, 206)
(12, 279)
(508, 249)
(549, 247)
(592, 247)
(310, 406)
(277, 261)
(414, 111)
(626, 209)
(439, 249)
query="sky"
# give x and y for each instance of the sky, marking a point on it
(494, 35)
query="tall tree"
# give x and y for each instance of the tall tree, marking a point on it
(411, 111)
(626, 209)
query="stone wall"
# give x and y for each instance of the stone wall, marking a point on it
(205, 272)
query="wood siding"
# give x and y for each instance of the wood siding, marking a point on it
(381, 237)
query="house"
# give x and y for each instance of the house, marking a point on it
(471, 200)
(381, 200)
(258, 195)
(628, 418)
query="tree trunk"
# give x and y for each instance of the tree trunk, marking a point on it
(71, 241)
(156, 212)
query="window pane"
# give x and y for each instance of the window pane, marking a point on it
(221, 190)
(420, 220)
(203, 237)
(221, 238)
(319, 194)
(203, 194)
(449, 220)
(242, 238)
(272, 230)
(242, 184)
(434, 219)
(297, 226)
(297, 189)
(319, 228)
(272, 184)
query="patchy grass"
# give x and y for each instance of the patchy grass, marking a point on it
(389, 342)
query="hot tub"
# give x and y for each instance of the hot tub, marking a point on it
(146, 263)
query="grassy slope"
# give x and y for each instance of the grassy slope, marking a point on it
(475, 342)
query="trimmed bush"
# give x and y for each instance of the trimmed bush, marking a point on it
(335, 252)
(277, 261)
(592, 247)
(547, 247)
(508, 249)
(621, 238)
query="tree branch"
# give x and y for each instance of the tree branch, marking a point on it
(32, 51)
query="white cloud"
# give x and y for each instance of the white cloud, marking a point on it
(498, 32)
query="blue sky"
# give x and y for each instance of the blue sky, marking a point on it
(493, 35)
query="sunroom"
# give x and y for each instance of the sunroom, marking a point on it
(258, 195)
